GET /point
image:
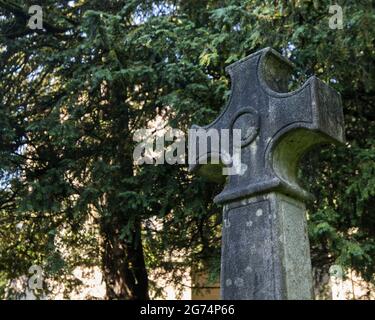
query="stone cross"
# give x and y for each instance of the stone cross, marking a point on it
(265, 247)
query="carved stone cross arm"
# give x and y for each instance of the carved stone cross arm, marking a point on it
(265, 249)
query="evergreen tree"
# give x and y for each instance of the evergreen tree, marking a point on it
(74, 92)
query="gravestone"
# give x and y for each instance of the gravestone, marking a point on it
(265, 247)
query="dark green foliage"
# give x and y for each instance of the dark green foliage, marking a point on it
(73, 94)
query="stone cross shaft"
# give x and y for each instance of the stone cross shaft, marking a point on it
(265, 248)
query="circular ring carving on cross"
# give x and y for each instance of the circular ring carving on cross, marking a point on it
(246, 119)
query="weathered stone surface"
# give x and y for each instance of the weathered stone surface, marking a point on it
(265, 250)
(265, 253)
(283, 125)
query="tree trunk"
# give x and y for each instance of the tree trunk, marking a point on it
(124, 267)
(125, 273)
